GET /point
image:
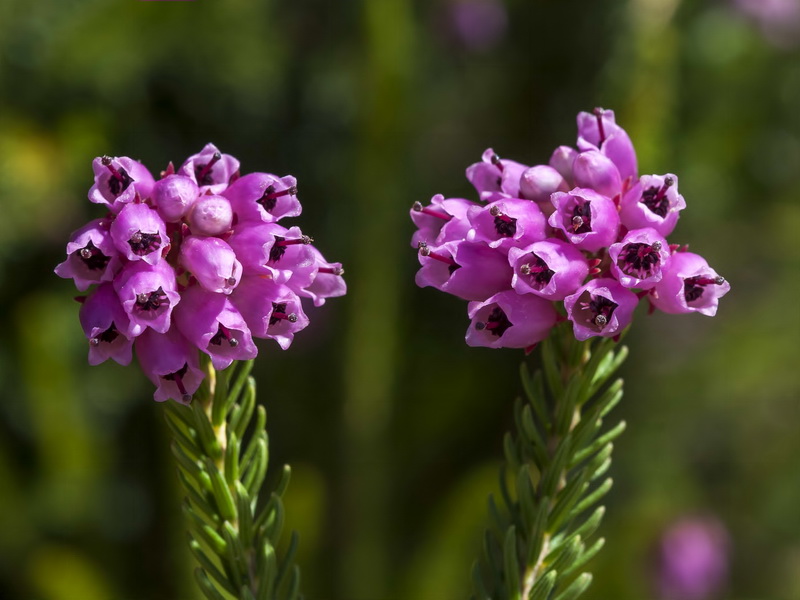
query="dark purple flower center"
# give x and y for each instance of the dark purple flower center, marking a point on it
(424, 250)
(270, 197)
(224, 334)
(177, 377)
(279, 247)
(504, 225)
(581, 221)
(279, 314)
(119, 180)
(497, 323)
(639, 259)
(92, 257)
(203, 172)
(655, 198)
(602, 308)
(144, 243)
(151, 301)
(538, 273)
(693, 287)
(108, 336)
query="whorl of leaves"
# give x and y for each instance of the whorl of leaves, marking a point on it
(540, 537)
(222, 467)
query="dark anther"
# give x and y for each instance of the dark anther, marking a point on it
(176, 375)
(602, 308)
(656, 199)
(497, 322)
(693, 287)
(280, 309)
(582, 218)
(107, 336)
(203, 172)
(639, 259)
(270, 196)
(152, 300)
(92, 257)
(504, 225)
(417, 207)
(540, 274)
(144, 243)
(277, 251)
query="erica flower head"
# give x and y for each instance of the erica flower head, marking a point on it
(194, 263)
(582, 238)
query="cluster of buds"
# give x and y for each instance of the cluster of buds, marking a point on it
(582, 238)
(193, 262)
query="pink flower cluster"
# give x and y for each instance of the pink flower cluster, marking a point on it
(195, 261)
(582, 238)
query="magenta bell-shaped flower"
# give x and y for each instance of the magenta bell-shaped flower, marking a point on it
(551, 269)
(271, 310)
(106, 326)
(561, 160)
(639, 259)
(654, 202)
(510, 320)
(506, 222)
(594, 171)
(469, 270)
(212, 262)
(215, 326)
(148, 295)
(539, 182)
(444, 220)
(174, 196)
(494, 174)
(598, 130)
(91, 256)
(170, 362)
(602, 307)
(117, 181)
(326, 280)
(211, 170)
(264, 197)
(688, 285)
(589, 220)
(139, 233)
(210, 215)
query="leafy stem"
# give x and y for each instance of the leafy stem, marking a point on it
(555, 464)
(222, 456)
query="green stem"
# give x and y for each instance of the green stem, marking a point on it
(234, 543)
(557, 459)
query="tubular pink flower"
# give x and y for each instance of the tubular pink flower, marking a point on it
(170, 362)
(212, 262)
(212, 323)
(139, 233)
(469, 270)
(148, 295)
(264, 197)
(272, 250)
(551, 269)
(173, 196)
(654, 202)
(598, 130)
(444, 220)
(210, 215)
(602, 307)
(91, 256)
(589, 221)
(561, 160)
(539, 182)
(593, 170)
(326, 282)
(106, 326)
(640, 258)
(510, 320)
(494, 174)
(211, 170)
(117, 181)
(506, 222)
(689, 285)
(271, 310)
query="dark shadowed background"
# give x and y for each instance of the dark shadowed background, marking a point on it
(392, 425)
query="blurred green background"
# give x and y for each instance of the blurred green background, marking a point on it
(392, 425)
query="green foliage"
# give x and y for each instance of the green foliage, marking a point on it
(233, 540)
(554, 473)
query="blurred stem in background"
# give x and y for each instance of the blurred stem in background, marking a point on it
(371, 347)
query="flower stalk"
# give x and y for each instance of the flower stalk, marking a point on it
(554, 472)
(221, 454)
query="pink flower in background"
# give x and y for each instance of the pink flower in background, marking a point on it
(693, 560)
(478, 25)
(779, 19)
(194, 262)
